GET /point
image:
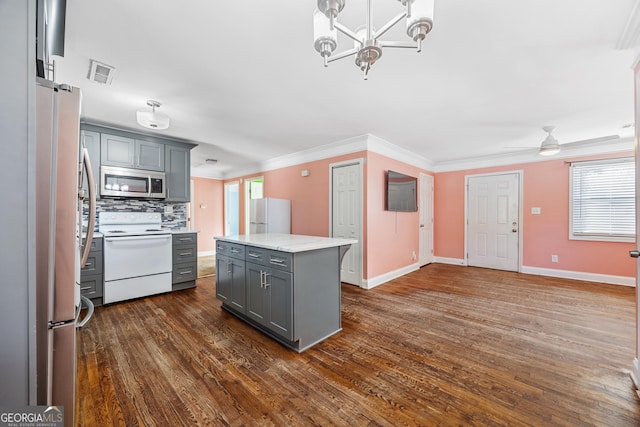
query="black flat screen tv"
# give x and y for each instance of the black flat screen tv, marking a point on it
(402, 191)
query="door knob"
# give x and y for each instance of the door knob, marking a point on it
(634, 253)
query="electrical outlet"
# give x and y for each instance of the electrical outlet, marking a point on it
(413, 255)
(554, 258)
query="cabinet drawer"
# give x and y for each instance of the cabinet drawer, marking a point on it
(185, 272)
(91, 286)
(94, 264)
(185, 238)
(280, 260)
(230, 249)
(96, 244)
(186, 253)
(257, 255)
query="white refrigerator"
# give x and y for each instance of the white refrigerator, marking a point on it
(269, 216)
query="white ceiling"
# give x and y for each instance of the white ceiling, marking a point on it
(242, 79)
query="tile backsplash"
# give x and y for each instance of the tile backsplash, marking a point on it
(175, 220)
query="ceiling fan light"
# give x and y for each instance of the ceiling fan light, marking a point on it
(549, 149)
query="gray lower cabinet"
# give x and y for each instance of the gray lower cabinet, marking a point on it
(92, 275)
(185, 261)
(270, 298)
(230, 275)
(292, 297)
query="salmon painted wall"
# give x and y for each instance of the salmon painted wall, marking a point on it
(208, 212)
(310, 208)
(309, 195)
(392, 237)
(546, 185)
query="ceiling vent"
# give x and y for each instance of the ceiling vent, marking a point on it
(101, 73)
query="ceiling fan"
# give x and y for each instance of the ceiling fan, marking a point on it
(550, 145)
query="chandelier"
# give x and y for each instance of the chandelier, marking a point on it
(367, 46)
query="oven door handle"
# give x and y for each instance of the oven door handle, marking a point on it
(120, 239)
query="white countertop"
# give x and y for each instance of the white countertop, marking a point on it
(287, 242)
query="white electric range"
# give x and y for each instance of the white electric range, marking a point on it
(137, 255)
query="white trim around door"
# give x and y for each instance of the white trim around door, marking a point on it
(346, 214)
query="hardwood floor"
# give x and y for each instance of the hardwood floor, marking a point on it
(445, 345)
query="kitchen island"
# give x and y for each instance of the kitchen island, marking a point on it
(286, 285)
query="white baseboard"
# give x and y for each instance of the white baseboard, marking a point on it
(635, 373)
(454, 261)
(384, 278)
(206, 253)
(578, 275)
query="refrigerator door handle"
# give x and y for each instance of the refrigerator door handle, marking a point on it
(92, 206)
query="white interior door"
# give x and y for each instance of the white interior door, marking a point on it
(635, 368)
(493, 225)
(426, 219)
(346, 218)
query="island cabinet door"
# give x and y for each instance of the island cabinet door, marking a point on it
(280, 295)
(230, 282)
(223, 278)
(256, 298)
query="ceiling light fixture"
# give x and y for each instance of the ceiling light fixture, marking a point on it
(211, 161)
(550, 145)
(367, 43)
(152, 119)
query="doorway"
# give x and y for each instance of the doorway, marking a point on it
(426, 220)
(253, 189)
(493, 220)
(232, 208)
(346, 215)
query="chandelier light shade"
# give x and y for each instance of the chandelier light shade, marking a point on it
(326, 39)
(368, 46)
(152, 119)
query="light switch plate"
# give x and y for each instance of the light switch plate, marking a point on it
(535, 211)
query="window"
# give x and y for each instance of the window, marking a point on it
(602, 200)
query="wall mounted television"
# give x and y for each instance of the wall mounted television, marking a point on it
(402, 191)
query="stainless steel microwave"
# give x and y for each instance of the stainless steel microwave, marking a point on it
(125, 182)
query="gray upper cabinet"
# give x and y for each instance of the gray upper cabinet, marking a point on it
(149, 155)
(177, 170)
(91, 141)
(122, 148)
(117, 151)
(131, 153)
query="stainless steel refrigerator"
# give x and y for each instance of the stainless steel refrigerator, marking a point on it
(269, 216)
(58, 241)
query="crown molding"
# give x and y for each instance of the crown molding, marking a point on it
(368, 142)
(630, 35)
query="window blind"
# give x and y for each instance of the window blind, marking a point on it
(603, 199)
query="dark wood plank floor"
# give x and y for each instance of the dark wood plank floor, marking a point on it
(445, 345)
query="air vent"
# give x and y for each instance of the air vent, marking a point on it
(101, 73)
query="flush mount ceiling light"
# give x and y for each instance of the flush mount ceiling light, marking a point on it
(211, 161)
(152, 119)
(367, 44)
(550, 145)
